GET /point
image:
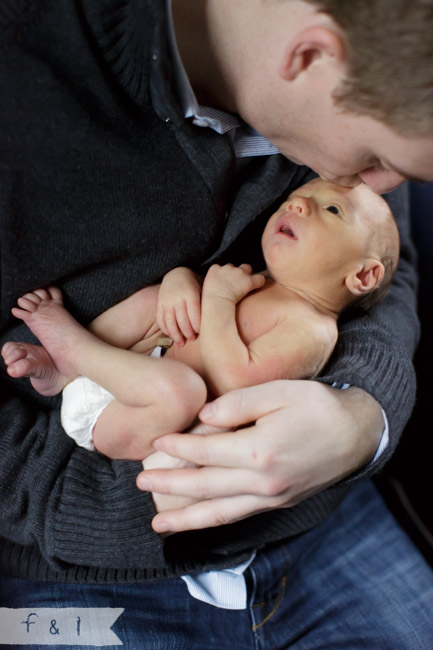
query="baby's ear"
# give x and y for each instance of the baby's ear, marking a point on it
(367, 278)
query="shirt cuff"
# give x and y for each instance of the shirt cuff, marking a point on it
(384, 441)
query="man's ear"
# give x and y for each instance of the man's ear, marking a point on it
(309, 45)
(366, 279)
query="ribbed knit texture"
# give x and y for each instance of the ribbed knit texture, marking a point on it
(103, 188)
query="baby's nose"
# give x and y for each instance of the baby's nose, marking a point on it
(300, 205)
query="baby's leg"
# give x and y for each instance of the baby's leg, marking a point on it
(152, 396)
(60, 334)
(130, 321)
(169, 403)
(122, 325)
(33, 361)
(76, 351)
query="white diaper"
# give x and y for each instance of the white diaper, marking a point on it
(82, 404)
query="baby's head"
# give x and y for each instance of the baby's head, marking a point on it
(382, 244)
(337, 243)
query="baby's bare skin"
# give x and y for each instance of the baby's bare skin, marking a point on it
(142, 387)
(48, 371)
(33, 361)
(60, 334)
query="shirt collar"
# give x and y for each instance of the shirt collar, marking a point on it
(247, 141)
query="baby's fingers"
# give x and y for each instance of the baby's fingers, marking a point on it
(258, 280)
(194, 315)
(167, 322)
(183, 321)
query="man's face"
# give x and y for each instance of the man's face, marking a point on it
(355, 148)
(340, 147)
(322, 231)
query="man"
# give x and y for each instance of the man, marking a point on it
(104, 145)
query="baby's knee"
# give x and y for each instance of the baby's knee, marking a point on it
(182, 396)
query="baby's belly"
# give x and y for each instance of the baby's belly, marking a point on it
(149, 342)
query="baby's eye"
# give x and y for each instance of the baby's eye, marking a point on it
(332, 208)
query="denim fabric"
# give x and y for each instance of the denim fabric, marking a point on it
(355, 581)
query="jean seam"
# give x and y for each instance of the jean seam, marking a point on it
(283, 583)
(251, 608)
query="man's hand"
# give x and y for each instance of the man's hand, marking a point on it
(161, 460)
(305, 437)
(179, 312)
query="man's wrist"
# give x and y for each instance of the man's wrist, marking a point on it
(384, 438)
(366, 416)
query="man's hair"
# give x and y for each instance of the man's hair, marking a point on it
(389, 60)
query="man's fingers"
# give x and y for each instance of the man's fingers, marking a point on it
(245, 405)
(208, 514)
(211, 449)
(206, 429)
(210, 482)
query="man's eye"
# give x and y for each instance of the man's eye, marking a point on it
(333, 208)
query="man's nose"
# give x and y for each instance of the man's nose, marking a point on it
(381, 180)
(347, 181)
(300, 205)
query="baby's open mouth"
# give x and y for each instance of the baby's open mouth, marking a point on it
(285, 228)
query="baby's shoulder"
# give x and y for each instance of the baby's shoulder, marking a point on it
(302, 315)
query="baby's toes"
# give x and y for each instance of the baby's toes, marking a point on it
(42, 294)
(55, 294)
(11, 352)
(29, 302)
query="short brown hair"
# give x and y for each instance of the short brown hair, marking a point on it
(389, 54)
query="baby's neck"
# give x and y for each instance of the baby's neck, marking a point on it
(322, 304)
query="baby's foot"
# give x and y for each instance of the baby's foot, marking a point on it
(60, 334)
(33, 361)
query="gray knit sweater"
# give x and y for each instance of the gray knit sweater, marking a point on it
(104, 187)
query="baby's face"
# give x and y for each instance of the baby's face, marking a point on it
(320, 228)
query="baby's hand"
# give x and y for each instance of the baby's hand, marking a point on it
(179, 311)
(231, 282)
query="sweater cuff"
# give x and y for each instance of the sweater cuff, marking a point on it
(391, 381)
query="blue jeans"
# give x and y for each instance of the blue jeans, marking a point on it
(355, 581)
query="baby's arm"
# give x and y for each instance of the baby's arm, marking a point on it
(178, 313)
(294, 347)
(225, 356)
